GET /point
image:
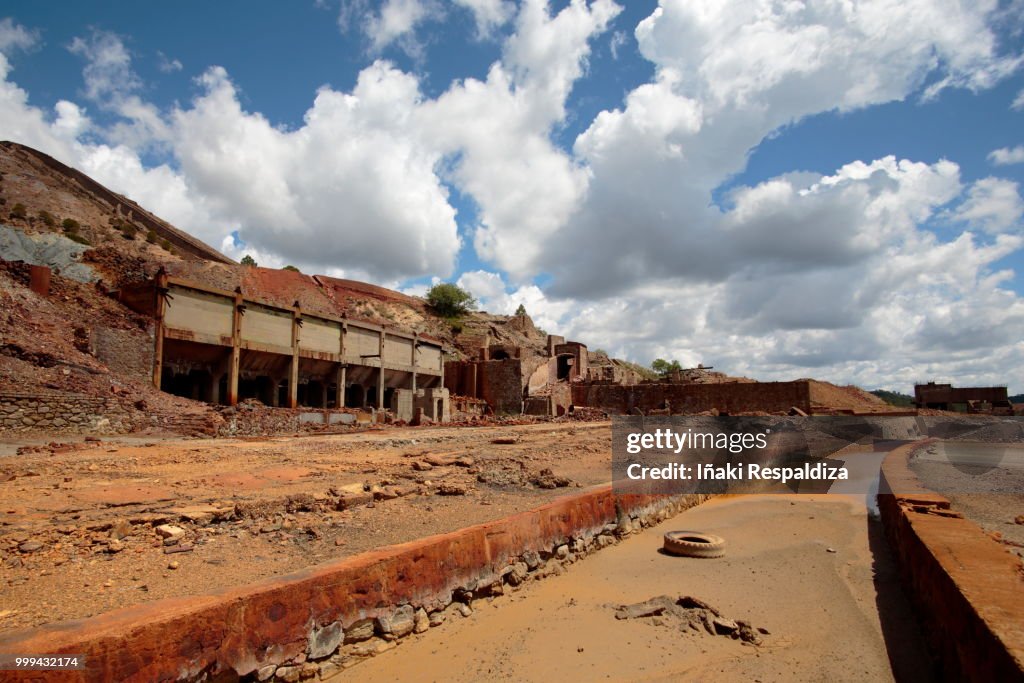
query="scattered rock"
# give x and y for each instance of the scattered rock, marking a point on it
(30, 546)
(1019, 519)
(422, 621)
(173, 564)
(121, 529)
(464, 609)
(325, 640)
(400, 623)
(359, 631)
(546, 479)
(451, 490)
(170, 532)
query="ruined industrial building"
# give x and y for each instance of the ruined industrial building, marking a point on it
(157, 500)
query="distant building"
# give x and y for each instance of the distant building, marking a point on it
(992, 400)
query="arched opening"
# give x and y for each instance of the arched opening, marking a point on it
(499, 354)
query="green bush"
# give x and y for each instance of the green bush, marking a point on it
(70, 225)
(664, 368)
(166, 244)
(449, 300)
(75, 237)
(19, 211)
(129, 231)
(292, 268)
(47, 218)
(151, 237)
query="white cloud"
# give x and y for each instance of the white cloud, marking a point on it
(111, 82)
(167, 65)
(993, 205)
(616, 43)
(16, 37)
(488, 14)
(352, 188)
(827, 274)
(1005, 156)
(500, 129)
(398, 20)
(1018, 102)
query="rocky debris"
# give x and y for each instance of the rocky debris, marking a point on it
(451, 490)
(1019, 519)
(400, 623)
(170, 533)
(546, 479)
(504, 475)
(689, 614)
(325, 640)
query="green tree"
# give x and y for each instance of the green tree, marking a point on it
(449, 300)
(664, 368)
(521, 310)
(249, 261)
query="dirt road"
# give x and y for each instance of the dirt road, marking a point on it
(812, 571)
(80, 524)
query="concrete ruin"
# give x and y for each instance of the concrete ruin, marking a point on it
(513, 380)
(222, 347)
(989, 400)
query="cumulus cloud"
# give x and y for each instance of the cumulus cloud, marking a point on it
(488, 14)
(500, 132)
(1005, 156)
(993, 205)
(834, 273)
(397, 21)
(351, 188)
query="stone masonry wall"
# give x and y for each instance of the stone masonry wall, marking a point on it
(66, 413)
(694, 398)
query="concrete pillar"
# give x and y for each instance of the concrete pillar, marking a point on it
(293, 374)
(160, 287)
(236, 349)
(341, 385)
(380, 373)
(415, 345)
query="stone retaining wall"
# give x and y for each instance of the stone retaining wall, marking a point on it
(968, 590)
(315, 622)
(66, 413)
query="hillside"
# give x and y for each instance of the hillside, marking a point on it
(79, 340)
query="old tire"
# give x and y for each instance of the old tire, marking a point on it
(694, 544)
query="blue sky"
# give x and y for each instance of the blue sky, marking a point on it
(777, 189)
